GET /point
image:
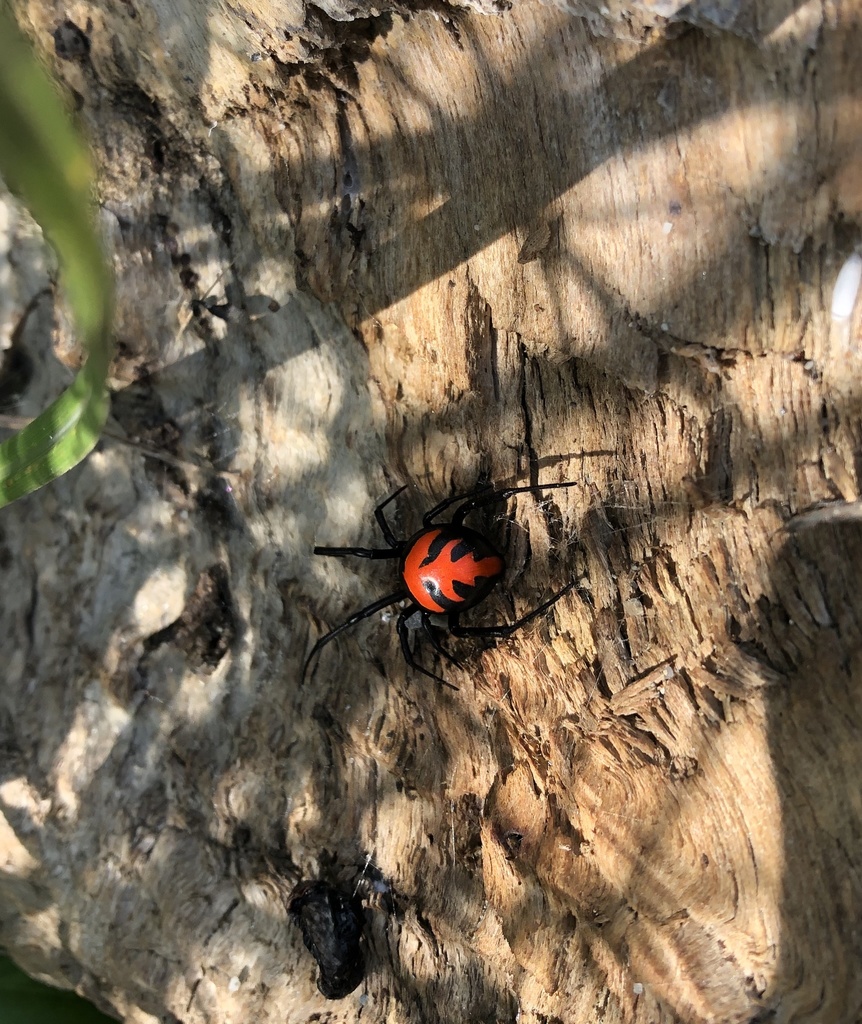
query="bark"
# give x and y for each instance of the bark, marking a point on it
(357, 248)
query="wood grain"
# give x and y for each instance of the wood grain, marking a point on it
(356, 249)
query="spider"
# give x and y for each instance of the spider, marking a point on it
(445, 569)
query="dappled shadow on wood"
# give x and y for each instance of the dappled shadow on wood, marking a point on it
(610, 806)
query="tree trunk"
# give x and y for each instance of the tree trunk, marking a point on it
(359, 248)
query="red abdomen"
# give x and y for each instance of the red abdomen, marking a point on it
(449, 569)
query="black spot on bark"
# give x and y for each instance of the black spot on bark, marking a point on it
(331, 926)
(206, 629)
(70, 42)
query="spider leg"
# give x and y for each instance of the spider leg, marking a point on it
(385, 528)
(360, 552)
(488, 499)
(363, 613)
(429, 517)
(431, 633)
(509, 628)
(404, 637)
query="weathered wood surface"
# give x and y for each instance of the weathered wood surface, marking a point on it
(452, 246)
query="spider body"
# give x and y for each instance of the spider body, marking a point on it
(449, 570)
(444, 569)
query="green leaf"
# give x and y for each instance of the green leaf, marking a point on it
(43, 160)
